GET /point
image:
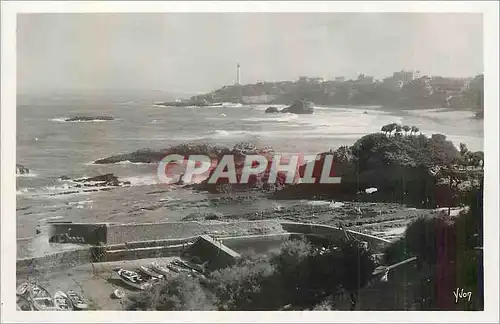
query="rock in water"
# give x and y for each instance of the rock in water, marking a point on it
(21, 169)
(108, 179)
(154, 156)
(300, 107)
(88, 118)
(272, 110)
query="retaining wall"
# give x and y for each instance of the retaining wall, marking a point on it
(53, 262)
(91, 233)
(255, 244)
(375, 243)
(121, 233)
(215, 253)
(136, 241)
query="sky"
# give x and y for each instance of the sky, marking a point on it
(198, 52)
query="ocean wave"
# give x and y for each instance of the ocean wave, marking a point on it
(50, 218)
(221, 133)
(269, 117)
(127, 162)
(23, 191)
(64, 188)
(145, 180)
(26, 175)
(63, 120)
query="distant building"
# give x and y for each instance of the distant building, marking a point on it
(260, 99)
(405, 76)
(316, 80)
(449, 84)
(339, 79)
(364, 79)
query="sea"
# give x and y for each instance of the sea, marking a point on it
(51, 148)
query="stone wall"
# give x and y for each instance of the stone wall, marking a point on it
(334, 233)
(53, 262)
(121, 233)
(256, 244)
(214, 253)
(91, 233)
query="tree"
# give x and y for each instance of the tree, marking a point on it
(406, 128)
(391, 127)
(342, 154)
(398, 130)
(479, 158)
(463, 149)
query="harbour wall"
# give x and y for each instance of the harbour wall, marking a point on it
(155, 240)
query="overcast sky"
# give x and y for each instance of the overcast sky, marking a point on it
(187, 52)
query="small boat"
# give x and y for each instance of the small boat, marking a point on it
(62, 301)
(175, 268)
(22, 288)
(150, 272)
(41, 298)
(118, 293)
(77, 301)
(133, 279)
(160, 269)
(189, 265)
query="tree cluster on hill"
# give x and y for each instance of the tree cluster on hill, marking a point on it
(423, 92)
(403, 164)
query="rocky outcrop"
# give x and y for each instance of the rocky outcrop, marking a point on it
(21, 169)
(300, 107)
(272, 110)
(108, 179)
(155, 156)
(105, 180)
(88, 118)
(402, 168)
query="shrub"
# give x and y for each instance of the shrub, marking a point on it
(182, 293)
(244, 286)
(300, 275)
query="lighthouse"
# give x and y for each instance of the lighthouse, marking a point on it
(238, 74)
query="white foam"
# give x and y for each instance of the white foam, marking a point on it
(221, 133)
(23, 191)
(26, 175)
(127, 162)
(60, 119)
(50, 218)
(63, 120)
(145, 180)
(273, 117)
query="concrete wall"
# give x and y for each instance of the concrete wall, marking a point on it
(255, 244)
(144, 253)
(113, 234)
(53, 262)
(214, 253)
(121, 233)
(334, 233)
(91, 233)
(136, 241)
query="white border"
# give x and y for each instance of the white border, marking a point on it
(8, 154)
